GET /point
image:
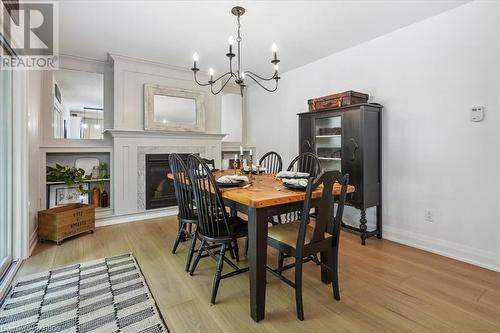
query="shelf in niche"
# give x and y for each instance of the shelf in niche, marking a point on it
(85, 181)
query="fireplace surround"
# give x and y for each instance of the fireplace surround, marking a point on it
(130, 148)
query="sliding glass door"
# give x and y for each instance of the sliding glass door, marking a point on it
(5, 169)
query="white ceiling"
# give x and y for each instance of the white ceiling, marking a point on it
(170, 31)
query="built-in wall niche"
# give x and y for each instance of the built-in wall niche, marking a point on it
(90, 170)
(78, 110)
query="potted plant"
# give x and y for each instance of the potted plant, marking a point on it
(69, 175)
(104, 170)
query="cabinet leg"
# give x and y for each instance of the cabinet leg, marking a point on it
(362, 226)
(379, 221)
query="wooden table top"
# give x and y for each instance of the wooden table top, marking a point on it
(266, 191)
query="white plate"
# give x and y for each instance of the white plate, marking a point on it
(87, 164)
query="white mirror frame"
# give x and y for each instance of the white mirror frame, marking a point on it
(150, 90)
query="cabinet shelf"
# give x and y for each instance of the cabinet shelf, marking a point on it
(328, 136)
(330, 158)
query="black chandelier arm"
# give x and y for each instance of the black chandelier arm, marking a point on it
(199, 83)
(224, 85)
(250, 75)
(275, 75)
(211, 82)
(222, 76)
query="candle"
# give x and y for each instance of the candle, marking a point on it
(211, 72)
(231, 42)
(241, 150)
(195, 59)
(251, 152)
(275, 51)
(235, 157)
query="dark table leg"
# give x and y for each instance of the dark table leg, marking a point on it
(257, 253)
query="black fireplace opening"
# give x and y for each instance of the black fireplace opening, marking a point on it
(160, 191)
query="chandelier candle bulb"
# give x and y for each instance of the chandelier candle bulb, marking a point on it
(231, 42)
(195, 59)
(275, 51)
(211, 72)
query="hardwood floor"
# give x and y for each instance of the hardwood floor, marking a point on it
(385, 287)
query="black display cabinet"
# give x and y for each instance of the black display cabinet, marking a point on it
(348, 139)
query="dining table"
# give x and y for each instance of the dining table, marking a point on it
(262, 198)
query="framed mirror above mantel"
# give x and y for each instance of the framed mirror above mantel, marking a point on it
(173, 110)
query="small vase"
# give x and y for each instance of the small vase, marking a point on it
(104, 199)
(96, 197)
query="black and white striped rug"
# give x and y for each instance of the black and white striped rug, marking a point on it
(104, 295)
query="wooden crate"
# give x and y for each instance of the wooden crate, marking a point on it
(57, 224)
(337, 100)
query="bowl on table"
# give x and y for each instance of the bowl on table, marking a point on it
(292, 175)
(295, 183)
(231, 181)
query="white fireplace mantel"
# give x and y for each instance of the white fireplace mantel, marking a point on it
(116, 133)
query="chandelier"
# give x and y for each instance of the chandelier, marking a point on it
(238, 74)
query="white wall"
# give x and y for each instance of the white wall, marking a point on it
(34, 103)
(232, 117)
(427, 75)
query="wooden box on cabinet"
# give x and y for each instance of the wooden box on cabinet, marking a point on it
(57, 224)
(348, 139)
(349, 97)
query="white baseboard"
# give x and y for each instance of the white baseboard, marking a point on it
(153, 214)
(465, 253)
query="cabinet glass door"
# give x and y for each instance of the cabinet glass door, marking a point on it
(328, 142)
(5, 169)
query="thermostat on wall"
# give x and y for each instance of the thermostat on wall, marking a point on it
(477, 113)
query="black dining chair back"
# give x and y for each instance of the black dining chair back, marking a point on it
(272, 162)
(325, 219)
(302, 240)
(212, 215)
(306, 162)
(215, 227)
(185, 202)
(183, 191)
(209, 162)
